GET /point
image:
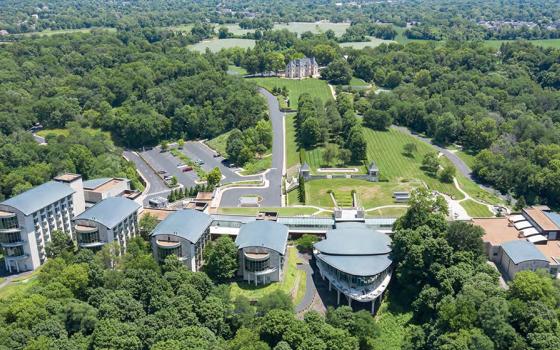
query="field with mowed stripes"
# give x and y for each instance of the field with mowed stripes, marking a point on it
(315, 87)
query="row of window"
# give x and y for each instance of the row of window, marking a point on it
(8, 223)
(10, 237)
(257, 266)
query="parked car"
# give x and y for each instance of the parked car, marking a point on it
(199, 162)
(167, 177)
(187, 168)
(216, 155)
(161, 172)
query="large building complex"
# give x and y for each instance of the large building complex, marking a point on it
(112, 219)
(183, 233)
(302, 68)
(262, 251)
(355, 260)
(28, 220)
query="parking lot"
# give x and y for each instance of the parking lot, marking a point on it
(167, 165)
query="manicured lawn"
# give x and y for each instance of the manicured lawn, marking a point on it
(387, 212)
(372, 42)
(288, 284)
(283, 211)
(476, 191)
(466, 157)
(314, 159)
(234, 70)
(357, 82)
(315, 87)
(292, 153)
(19, 285)
(475, 209)
(554, 43)
(215, 45)
(320, 27)
(386, 149)
(64, 132)
(257, 165)
(370, 194)
(392, 323)
(219, 143)
(68, 31)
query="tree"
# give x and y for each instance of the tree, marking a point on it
(214, 177)
(531, 286)
(377, 119)
(220, 259)
(60, 245)
(430, 163)
(223, 33)
(164, 146)
(357, 144)
(276, 300)
(447, 174)
(338, 72)
(330, 153)
(424, 209)
(180, 143)
(464, 236)
(393, 79)
(147, 224)
(409, 149)
(301, 189)
(246, 339)
(305, 242)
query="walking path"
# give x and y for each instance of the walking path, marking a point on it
(310, 289)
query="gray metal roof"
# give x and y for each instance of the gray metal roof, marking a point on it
(373, 166)
(110, 212)
(235, 218)
(305, 221)
(305, 167)
(39, 197)
(358, 265)
(522, 250)
(189, 224)
(268, 234)
(94, 183)
(554, 217)
(380, 221)
(354, 239)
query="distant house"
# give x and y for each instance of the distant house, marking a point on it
(302, 68)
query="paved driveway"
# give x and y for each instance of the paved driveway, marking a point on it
(272, 194)
(156, 184)
(196, 150)
(167, 162)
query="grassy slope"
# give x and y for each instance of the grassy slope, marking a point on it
(68, 31)
(287, 284)
(64, 132)
(219, 142)
(315, 87)
(476, 210)
(292, 155)
(554, 43)
(236, 70)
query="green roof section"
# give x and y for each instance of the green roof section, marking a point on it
(267, 234)
(189, 224)
(39, 197)
(522, 250)
(110, 212)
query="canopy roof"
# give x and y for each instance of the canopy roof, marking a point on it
(267, 234)
(39, 197)
(354, 239)
(361, 265)
(189, 224)
(522, 250)
(110, 211)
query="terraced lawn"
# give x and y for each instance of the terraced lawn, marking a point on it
(315, 87)
(476, 210)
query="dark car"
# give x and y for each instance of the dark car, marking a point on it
(161, 172)
(187, 168)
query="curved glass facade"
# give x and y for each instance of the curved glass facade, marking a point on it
(257, 266)
(353, 281)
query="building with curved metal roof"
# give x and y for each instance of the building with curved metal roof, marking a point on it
(355, 260)
(262, 249)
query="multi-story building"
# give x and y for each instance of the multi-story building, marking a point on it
(114, 219)
(355, 261)
(28, 219)
(96, 190)
(262, 250)
(183, 233)
(302, 68)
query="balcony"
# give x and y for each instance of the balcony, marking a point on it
(12, 244)
(6, 214)
(10, 230)
(167, 244)
(92, 244)
(85, 229)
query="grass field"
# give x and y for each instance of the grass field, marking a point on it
(68, 31)
(358, 83)
(257, 166)
(315, 87)
(283, 211)
(234, 70)
(386, 149)
(215, 45)
(219, 143)
(318, 27)
(292, 153)
(476, 210)
(64, 132)
(291, 276)
(554, 43)
(468, 158)
(476, 191)
(372, 42)
(314, 158)
(387, 212)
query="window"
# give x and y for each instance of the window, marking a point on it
(16, 251)
(8, 223)
(257, 266)
(88, 237)
(164, 253)
(10, 237)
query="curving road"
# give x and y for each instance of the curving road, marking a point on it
(156, 185)
(271, 194)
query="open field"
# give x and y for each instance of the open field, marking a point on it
(64, 132)
(475, 209)
(314, 27)
(476, 191)
(292, 153)
(554, 43)
(283, 211)
(256, 166)
(358, 83)
(315, 87)
(386, 149)
(314, 158)
(291, 276)
(49, 32)
(234, 70)
(215, 45)
(370, 194)
(219, 143)
(372, 42)
(387, 212)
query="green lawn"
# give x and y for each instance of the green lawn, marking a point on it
(257, 165)
(466, 157)
(315, 87)
(314, 158)
(215, 45)
(372, 42)
(219, 143)
(19, 285)
(386, 149)
(288, 283)
(475, 209)
(370, 194)
(64, 132)
(387, 212)
(283, 211)
(358, 83)
(292, 153)
(476, 191)
(320, 27)
(234, 70)
(49, 32)
(554, 43)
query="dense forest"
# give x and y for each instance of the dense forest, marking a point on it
(104, 301)
(143, 87)
(502, 106)
(456, 299)
(431, 19)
